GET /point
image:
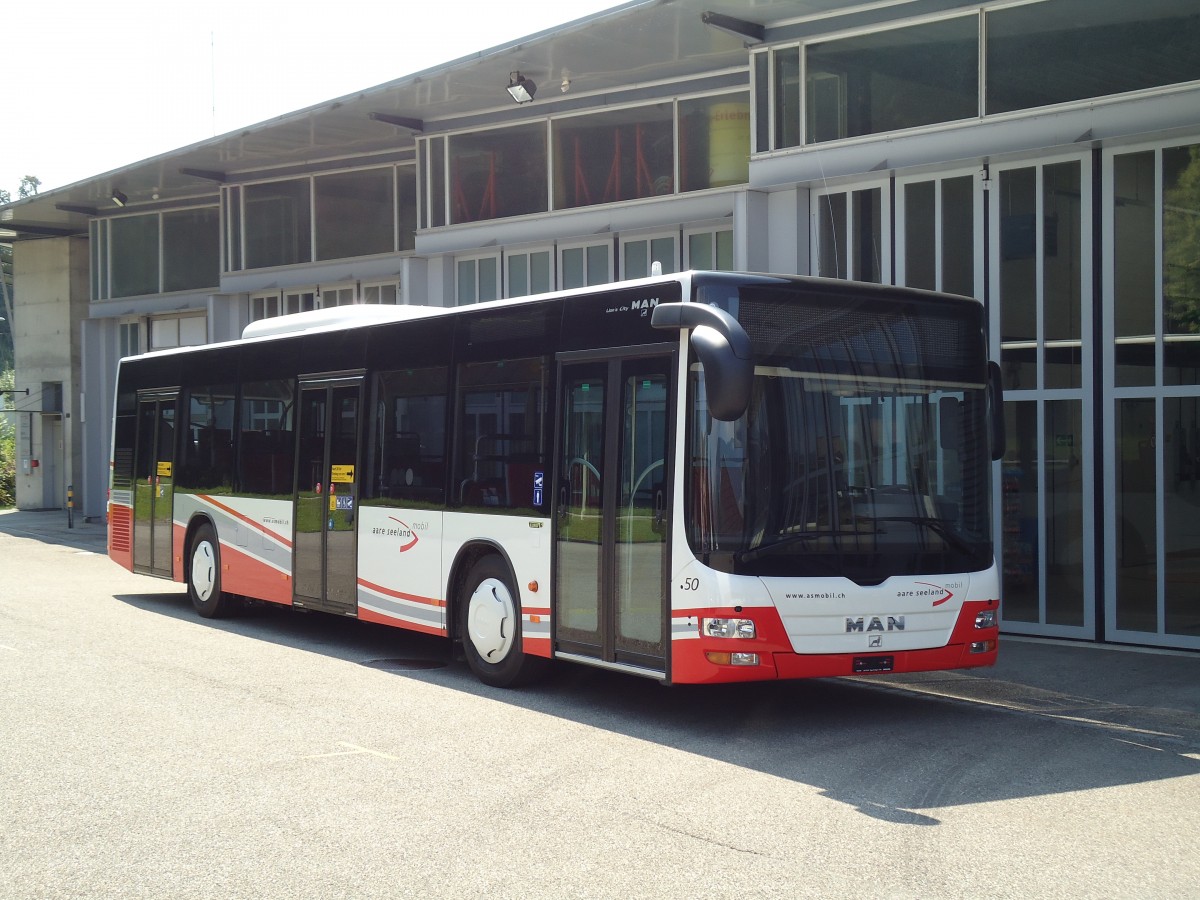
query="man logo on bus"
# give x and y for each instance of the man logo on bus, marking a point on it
(894, 623)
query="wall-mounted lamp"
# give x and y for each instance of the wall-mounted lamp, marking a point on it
(521, 88)
(119, 198)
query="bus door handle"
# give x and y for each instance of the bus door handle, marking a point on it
(660, 506)
(564, 490)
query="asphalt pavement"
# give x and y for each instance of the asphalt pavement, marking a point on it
(1143, 691)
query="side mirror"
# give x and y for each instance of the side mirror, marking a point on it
(724, 351)
(995, 401)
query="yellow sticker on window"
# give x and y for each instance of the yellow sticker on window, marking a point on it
(342, 475)
(332, 502)
(164, 469)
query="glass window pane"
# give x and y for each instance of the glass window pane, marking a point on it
(725, 251)
(191, 249)
(466, 282)
(831, 236)
(572, 268)
(613, 156)
(489, 279)
(662, 251)
(787, 97)
(266, 455)
(410, 445)
(1181, 508)
(920, 243)
(637, 259)
(437, 182)
(233, 224)
(958, 235)
(354, 214)
(597, 264)
(1133, 267)
(1137, 531)
(1018, 277)
(164, 333)
(406, 194)
(518, 275)
(278, 224)
(498, 173)
(868, 231)
(134, 255)
(762, 108)
(1064, 512)
(193, 331)
(540, 276)
(1044, 53)
(888, 80)
(1181, 264)
(1062, 266)
(714, 142)
(700, 250)
(1019, 516)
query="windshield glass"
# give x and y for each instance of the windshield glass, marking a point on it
(864, 450)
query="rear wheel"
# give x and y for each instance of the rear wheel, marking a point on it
(490, 626)
(204, 575)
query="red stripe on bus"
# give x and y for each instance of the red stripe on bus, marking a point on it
(237, 515)
(367, 615)
(388, 592)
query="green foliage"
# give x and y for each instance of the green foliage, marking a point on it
(1181, 242)
(8, 445)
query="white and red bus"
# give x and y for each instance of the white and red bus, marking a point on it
(704, 477)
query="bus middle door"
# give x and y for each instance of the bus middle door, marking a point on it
(613, 492)
(326, 496)
(154, 484)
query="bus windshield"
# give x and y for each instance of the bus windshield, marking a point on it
(863, 453)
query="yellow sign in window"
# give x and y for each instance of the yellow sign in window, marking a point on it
(164, 469)
(342, 475)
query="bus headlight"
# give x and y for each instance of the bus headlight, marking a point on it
(985, 619)
(729, 628)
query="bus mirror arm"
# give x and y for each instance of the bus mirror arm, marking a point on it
(723, 348)
(996, 404)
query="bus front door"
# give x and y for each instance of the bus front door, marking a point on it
(154, 484)
(326, 497)
(613, 495)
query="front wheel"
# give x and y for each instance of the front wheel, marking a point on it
(490, 626)
(204, 575)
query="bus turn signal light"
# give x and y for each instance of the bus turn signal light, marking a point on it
(731, 659)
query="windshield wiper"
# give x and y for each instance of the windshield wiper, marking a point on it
(796, 538)
(938, 527)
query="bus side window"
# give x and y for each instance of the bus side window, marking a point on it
(266, 455)
(206, 452)
(502, 432)
(409, 454)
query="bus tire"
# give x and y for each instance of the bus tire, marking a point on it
(204, 575)
(490, 626)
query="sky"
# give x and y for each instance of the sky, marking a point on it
(93, 86)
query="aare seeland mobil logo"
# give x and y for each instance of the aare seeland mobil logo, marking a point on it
(406, 533)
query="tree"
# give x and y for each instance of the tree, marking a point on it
(29, 186)
(6, 307)
(8, 445)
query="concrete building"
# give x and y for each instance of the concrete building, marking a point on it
(1044, 156)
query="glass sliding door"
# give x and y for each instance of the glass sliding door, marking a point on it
(1152, 386)
(1041, 309)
